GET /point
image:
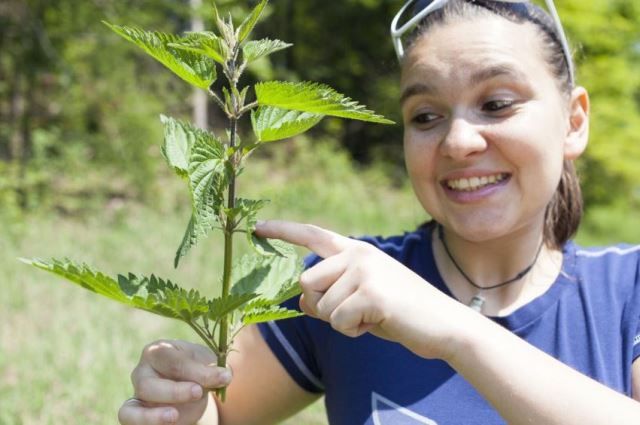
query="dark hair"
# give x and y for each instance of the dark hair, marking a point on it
(564, 211)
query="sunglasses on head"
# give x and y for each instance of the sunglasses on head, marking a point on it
(414, 11)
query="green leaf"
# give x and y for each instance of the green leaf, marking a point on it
(192, 68)
(267, 276)
(267, 247)
(179, 137)
(250, 21)
(267, 314)
(248, 281)
(219, 307)
(204, 43)
(272, 123)
(247, 209)
(287, 290)
(254, 50)
(207, 171)
(315, 98)
(147, 293)
(208, 179)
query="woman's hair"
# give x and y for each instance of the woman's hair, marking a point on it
(564, 211)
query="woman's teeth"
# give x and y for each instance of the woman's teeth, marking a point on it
(474, 183)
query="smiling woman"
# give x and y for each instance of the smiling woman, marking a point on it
(493, 121)
(480, 117)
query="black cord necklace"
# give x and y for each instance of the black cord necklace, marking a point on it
(477, 301)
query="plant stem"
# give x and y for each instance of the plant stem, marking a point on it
(223, 342)
(209, 341)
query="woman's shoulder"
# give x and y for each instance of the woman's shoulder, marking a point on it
(615, 266)
(617, 256)
(608, 252)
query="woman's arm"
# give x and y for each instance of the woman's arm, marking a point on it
(635, 380)
(261, 392)
(358, 288)
(528, 386)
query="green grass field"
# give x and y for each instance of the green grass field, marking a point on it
(66, 354)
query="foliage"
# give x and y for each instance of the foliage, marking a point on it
(69, 102)
(253, 289)
(608, 53)
(605, 35)
(42, 322)
(81, 108)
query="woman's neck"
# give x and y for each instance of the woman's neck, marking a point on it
(491, 262)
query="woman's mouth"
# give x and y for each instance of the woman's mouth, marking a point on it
(470, 184)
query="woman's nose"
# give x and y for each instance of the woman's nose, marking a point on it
(462, 139)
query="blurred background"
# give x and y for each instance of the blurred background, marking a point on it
(81, 174)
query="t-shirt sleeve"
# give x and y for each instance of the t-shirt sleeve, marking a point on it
(292, 342)
(636, 339)
(636, 344)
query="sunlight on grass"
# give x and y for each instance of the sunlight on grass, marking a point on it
(66, 354)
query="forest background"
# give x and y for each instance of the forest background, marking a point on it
(81, 173)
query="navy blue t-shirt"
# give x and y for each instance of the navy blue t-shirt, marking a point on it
(589, 319)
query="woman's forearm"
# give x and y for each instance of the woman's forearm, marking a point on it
(527, 386)
(210, 416)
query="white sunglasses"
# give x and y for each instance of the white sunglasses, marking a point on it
(397, 33)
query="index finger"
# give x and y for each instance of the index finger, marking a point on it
(323, 242)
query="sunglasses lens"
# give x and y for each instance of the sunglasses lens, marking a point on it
(411, 10)
(419, 5)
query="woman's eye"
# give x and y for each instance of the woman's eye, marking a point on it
(497, 105)
(425, 118)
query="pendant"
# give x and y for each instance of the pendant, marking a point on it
(476, 303)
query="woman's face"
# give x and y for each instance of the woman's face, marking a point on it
(485, 127)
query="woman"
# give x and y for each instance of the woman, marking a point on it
(393, 334)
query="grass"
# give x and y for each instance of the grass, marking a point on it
(66, 354)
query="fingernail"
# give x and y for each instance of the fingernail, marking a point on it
(196, 392)
(260, 223)
(169, 416)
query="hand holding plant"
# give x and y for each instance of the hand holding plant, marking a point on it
(253, 287)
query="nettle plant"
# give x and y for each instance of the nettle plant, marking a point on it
(253, 287)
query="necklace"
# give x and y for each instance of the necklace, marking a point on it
(477, 302)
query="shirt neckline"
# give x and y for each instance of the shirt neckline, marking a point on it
(525, 314)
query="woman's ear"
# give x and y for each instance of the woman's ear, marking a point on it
(578, 132)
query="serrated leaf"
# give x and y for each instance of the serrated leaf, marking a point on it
(191, 67)
(179, 137)
(271, 123)
(206, 44)
(315, 98)
(250, 21)
(208, 179)
(206, 171)
(249, 282)
(247, 209)
(260, 315)
(256, 49)
(147, 293)
(287, 290)
(219, 307)
(268, 247)
(265, 276)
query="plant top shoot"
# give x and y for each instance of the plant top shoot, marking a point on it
(253, 287)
